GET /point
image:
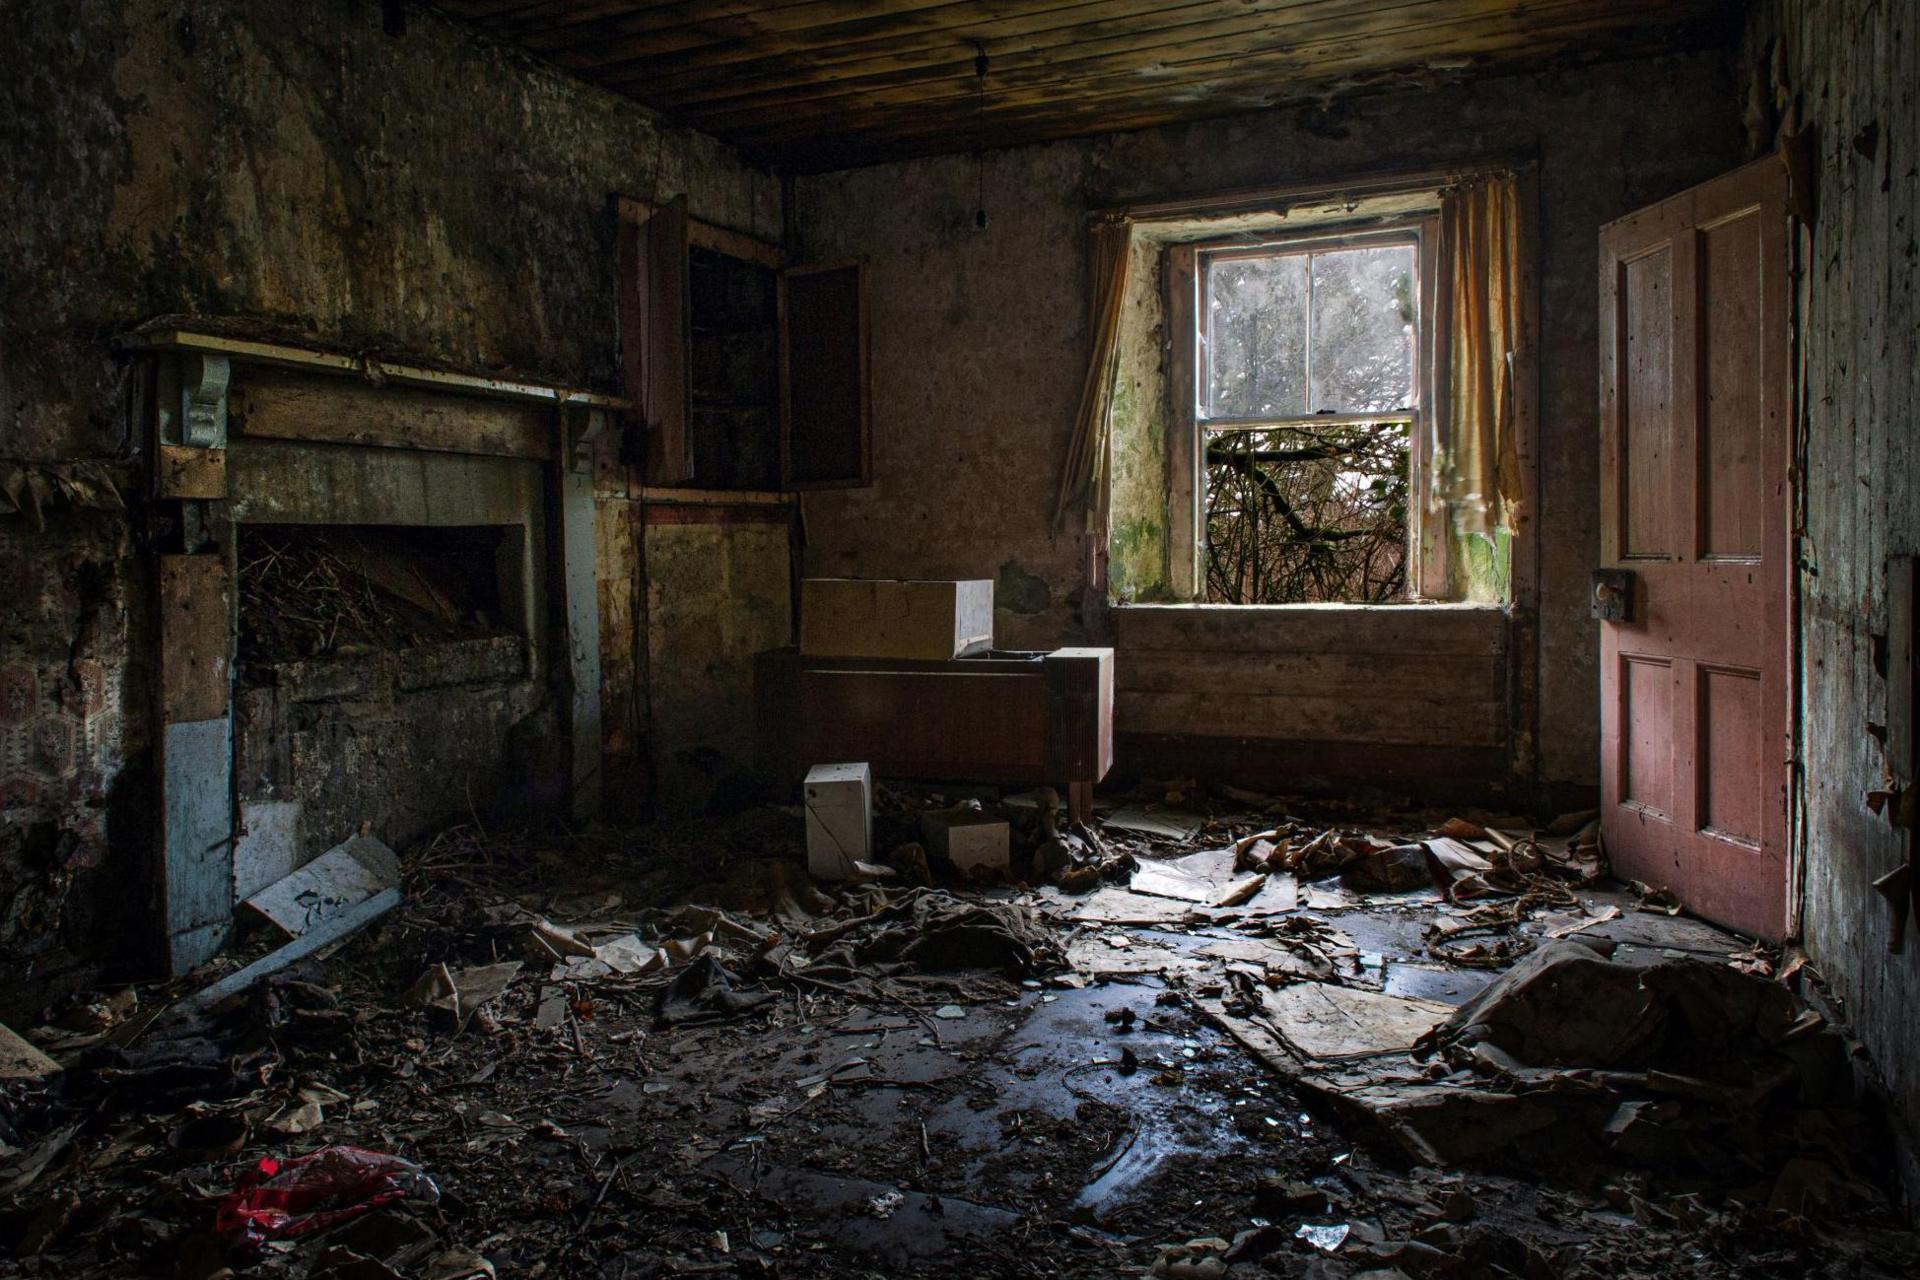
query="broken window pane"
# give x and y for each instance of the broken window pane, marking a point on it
(1299, 510)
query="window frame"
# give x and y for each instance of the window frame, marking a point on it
(1186, 274)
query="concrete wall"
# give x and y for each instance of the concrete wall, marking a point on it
(980, 337)
(429, 195)
(1849, 69)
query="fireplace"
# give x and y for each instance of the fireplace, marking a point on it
(376, 612)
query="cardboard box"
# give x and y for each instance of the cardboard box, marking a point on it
(862, 618)
(967, 838)
(839, 800)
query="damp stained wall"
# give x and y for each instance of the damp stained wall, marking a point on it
(1137, 564)
(1850, 71)
(980, 338)
(431, 195)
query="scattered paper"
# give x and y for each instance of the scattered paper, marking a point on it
(1168, 824)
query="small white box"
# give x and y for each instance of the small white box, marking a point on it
(839, 799)
(967, 838)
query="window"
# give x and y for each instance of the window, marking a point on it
(1308, 373)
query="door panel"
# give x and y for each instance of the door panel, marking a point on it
(1694, 492)
(1732, 801)
(1646, 706)
(1647, 445)
(1732, 488)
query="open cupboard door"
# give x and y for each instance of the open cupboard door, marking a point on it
(655, 312)
(1695, 414)
(826, 436)
(678, 368)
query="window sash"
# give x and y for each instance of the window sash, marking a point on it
(1307, 247)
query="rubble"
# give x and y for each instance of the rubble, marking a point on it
(1169, 1073)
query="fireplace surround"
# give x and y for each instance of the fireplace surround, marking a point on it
(375, 608)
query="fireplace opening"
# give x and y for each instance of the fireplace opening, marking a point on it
(387, 680)
(319, 591)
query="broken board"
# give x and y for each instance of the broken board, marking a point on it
(19, 1060)
(338, 880)
(1329, 1022)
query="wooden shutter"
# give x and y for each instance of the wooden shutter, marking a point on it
(654, 308)
(826, 440)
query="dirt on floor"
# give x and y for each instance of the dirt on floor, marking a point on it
(1200, 1036)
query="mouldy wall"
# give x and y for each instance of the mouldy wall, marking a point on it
(1137, 567)
(431, 195)
(1850, 70)
(980, 337)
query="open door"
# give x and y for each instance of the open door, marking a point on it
(1695, 547)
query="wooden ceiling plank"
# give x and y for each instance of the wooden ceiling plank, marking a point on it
(1086, 97)
(1110, 19)
(1083, 43)
(949, 22)
(695, 22)
(1403, 45)
(817, 83)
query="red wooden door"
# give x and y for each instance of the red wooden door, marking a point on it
(1694, 420)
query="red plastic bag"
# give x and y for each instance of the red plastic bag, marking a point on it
(280, 1199)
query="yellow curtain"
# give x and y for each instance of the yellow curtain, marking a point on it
(1477, 473)
(1087, 452)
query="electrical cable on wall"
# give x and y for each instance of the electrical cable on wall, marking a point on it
(980, 137)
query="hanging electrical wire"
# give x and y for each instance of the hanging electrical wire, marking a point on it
(980, 137)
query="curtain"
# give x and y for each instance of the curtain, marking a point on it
(1087, 452)
(1477, 461)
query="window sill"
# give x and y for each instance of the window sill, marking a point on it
(1278, 611)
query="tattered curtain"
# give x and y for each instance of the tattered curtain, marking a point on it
(1087, 452)
(1476, 450)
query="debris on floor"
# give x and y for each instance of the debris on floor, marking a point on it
(1223, 1035)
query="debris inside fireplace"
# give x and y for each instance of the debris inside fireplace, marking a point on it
(317, 591)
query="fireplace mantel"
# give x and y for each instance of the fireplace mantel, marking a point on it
(186, 340)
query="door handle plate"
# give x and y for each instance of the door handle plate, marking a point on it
(1611, 599)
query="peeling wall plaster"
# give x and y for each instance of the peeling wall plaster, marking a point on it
(434, 196)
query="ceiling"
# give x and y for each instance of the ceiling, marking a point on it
(815, 84)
